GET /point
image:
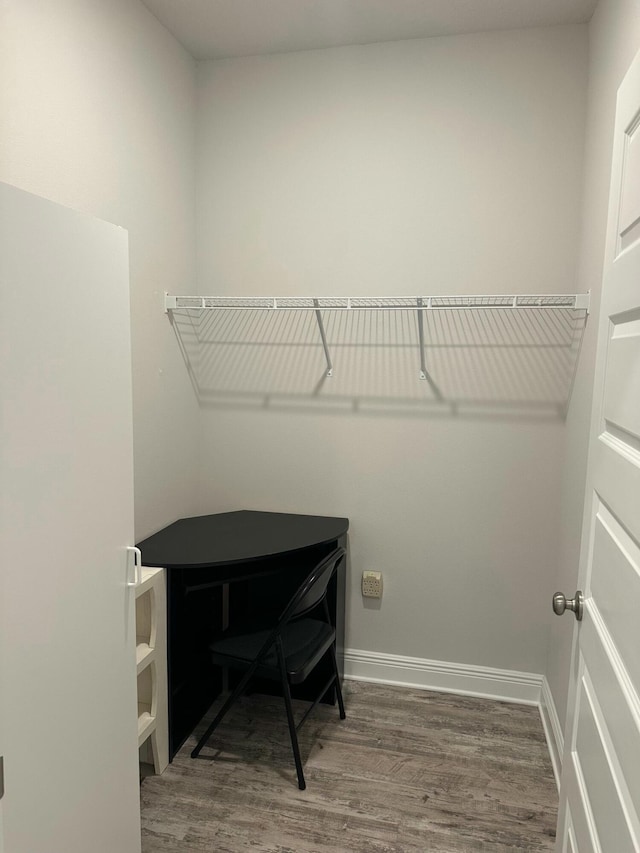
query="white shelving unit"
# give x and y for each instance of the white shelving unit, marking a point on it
(151, 668)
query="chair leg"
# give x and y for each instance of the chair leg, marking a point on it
(337, 683)
(229, 702)
(286, 692)
(335, 665)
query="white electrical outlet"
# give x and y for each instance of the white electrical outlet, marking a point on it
(372, 584)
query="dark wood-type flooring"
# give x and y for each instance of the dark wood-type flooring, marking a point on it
(408, 771)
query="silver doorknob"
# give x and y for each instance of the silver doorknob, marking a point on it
(561, 603)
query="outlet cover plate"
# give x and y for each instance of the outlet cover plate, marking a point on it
(372, 584)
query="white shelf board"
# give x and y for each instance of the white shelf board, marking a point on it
(146, 722)
(147, 579)
(144, 654)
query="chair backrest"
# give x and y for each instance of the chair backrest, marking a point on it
(309, 594)
(314, 588)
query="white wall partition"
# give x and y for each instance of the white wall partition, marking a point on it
(67, 670)
(448, 165)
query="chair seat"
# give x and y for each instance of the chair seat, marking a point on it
(304, 641)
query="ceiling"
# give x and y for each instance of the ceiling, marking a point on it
(215, 29)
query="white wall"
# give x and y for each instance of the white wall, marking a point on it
(614, 39)
(97, 106)
(449, 165)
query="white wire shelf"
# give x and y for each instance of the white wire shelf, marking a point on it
(575, 301)
(578, 302)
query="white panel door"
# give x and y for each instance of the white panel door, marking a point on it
(600, 790)
(68, 693)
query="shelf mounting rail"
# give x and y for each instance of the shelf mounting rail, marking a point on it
(573, 301)
(576, 301)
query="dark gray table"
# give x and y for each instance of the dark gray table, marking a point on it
(234, 569)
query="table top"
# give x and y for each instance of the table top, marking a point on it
(237, 537)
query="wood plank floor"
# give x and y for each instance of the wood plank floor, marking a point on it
(408, 771)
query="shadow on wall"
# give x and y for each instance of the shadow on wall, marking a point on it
(509, 364)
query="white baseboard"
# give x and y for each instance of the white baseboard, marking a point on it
(552, 729)
(485, 682)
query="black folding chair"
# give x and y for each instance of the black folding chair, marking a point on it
(288, 653)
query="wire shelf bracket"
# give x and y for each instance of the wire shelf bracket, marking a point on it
(324, 339)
